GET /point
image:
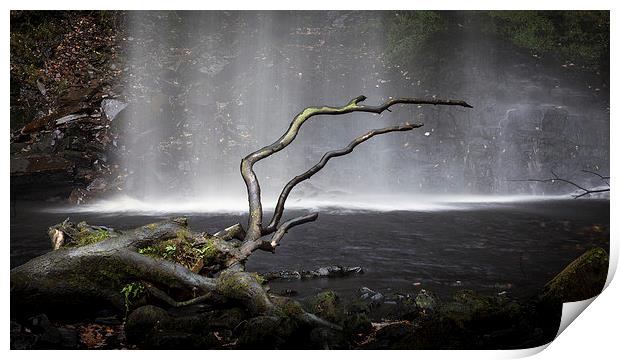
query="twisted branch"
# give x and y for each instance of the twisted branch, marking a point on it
(255, 227)
(279, 210)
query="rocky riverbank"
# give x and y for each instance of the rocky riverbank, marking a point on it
(371, 320)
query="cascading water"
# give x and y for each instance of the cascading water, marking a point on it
(207, 88)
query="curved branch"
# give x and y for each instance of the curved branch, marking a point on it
(279, 209)
(283, 229)
(249, 247)
(255, 226)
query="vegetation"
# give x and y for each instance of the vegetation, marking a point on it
(48, 55)
(131, 292)
(577, 38)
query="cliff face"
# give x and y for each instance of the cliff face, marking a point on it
(164, 100)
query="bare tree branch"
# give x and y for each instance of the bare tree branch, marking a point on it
(591, 192)
(585, 191)
(255, 227)
(603, 178)
(283, 229)
(279, 210)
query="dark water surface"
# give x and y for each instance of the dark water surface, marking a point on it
(514, 247)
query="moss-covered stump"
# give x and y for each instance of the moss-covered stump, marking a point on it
(582, 279)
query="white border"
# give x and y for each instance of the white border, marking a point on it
(593, 334)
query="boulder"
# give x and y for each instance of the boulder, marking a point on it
(582, 279)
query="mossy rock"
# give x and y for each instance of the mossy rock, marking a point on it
(582, 279)
(327, 306)
(470, 310)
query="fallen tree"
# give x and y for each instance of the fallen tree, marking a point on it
(168, 264)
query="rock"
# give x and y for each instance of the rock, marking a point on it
(582, 279)
(374, 296)
(325, 271)
(70, 118)
(21, 338)
(43, 168)
(48, 336)
(112, 107)
(393, 335)
(143, 321)
(332, 271)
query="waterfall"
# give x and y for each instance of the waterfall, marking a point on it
(206, 88)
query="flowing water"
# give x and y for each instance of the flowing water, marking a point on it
(492, 246)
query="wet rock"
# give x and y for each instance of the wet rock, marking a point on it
(32, 168)
(581, 279)
(332, 271)
(325, 271)
(47, 336)
(95, 189)
(70, 118)
(21, 338)
(374, 296)
(112, 107)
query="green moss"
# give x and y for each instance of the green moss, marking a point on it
(259, 279)
(183, 234)
(578, 36)
(581, 279)
(327, 305)
(232, 286)
(182, 250)
(408, 31)
(86, 237)
(209, 252)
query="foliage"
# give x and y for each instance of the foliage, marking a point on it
(408, 32)
(131, 292)
(575, 36)
(183, 250)
(86, 235)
